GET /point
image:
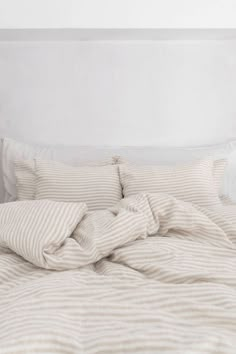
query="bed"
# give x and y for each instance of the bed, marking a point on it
(154, 272)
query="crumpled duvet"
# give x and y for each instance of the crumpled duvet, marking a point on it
(153, 274)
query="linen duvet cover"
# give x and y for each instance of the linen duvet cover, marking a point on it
(151, 275)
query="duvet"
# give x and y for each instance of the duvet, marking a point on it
(151, 275)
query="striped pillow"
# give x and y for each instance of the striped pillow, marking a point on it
(99, 187)
(25, 176)
(219, 168)
(25, 179)
(192, 182)
(11, 150)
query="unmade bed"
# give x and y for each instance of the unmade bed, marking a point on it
(153, 272)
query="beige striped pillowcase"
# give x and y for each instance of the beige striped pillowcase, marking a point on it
(191, 182)
(25, 176)
(25, 179)
(98, 187)
(219, 167)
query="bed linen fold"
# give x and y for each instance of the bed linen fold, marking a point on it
(153, 274)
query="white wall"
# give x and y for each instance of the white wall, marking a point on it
(117, 13)
(118, 93)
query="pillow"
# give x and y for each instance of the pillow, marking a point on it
(33, 229)
(81, 155)
(25, 179)
(219, 167)
(172, 156)
(98, 187)
(191, 182)
(13, 150)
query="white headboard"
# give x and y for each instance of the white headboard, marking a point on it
(118, 92)
(164, 92)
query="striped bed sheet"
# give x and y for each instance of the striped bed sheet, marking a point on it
(153, 274)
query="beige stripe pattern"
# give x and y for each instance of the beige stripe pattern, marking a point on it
(36, 230)
(154, 275)
(219, 168)
(11, 150)
(25, 174)
(99, 187)
(25, 179)
(191, 182)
